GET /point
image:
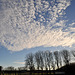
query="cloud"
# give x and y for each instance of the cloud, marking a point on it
(22, 63)
(29, 23)
(72, 24)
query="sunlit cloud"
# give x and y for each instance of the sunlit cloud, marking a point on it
(29, 23)
(22, 63)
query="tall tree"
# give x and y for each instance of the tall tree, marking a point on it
(66, 57)
(49, 59)
(60, 59)
(73, 52)
(37, 59)
(41, 60)
(56, 56)
(46, 60)
(29, 62)
(52, 61)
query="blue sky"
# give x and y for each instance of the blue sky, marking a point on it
(28, 26)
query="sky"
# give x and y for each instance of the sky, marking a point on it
(30, 25)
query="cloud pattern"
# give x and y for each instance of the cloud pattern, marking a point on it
(33, 23)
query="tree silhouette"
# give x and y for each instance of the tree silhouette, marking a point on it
(52, 61)
(37, 60)
(49, 59)
(56, 56)
(73, 53)
(60, 59)
(29, 62)
(66, 56)
(1, 68)
(45, 60)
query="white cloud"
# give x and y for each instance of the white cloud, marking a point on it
(30, 23)
(22, 63)
(72, 24)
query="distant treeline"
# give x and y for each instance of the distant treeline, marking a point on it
(47, 60)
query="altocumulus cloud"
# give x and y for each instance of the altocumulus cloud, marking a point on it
(34, 23)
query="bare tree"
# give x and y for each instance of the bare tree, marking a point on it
(29, 62)
(73, 53)
(66, 57)
(39, 60)
(60, 59)
(56, 56)
(49, 60)
(52, 61)
(46, 60)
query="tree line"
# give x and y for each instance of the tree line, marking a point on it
(47, 60)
